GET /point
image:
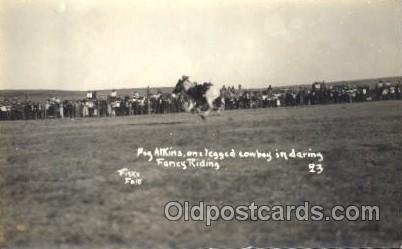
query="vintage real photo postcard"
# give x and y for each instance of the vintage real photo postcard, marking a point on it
(200, 124)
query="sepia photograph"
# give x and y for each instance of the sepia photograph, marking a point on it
(195, 124)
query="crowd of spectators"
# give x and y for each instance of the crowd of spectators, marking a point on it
(235, 98)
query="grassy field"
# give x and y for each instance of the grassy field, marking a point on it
(59, 187)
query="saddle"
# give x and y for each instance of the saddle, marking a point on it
(198, 91)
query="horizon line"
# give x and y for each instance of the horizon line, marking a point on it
(156, 87)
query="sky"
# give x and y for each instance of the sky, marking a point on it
(99, 44)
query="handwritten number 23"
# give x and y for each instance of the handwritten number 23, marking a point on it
(315, 168)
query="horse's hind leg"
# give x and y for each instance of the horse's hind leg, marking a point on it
(210, 103)
(221, 107)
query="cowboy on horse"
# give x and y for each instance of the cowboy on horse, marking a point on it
(197, 97)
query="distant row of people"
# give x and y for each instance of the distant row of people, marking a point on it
(234, 98)
(89, 107)
(319, 93)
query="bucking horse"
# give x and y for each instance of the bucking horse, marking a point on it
(199, 98)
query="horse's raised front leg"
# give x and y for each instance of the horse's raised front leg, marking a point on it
(189, 107)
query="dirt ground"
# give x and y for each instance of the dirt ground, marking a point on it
(59, 187)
